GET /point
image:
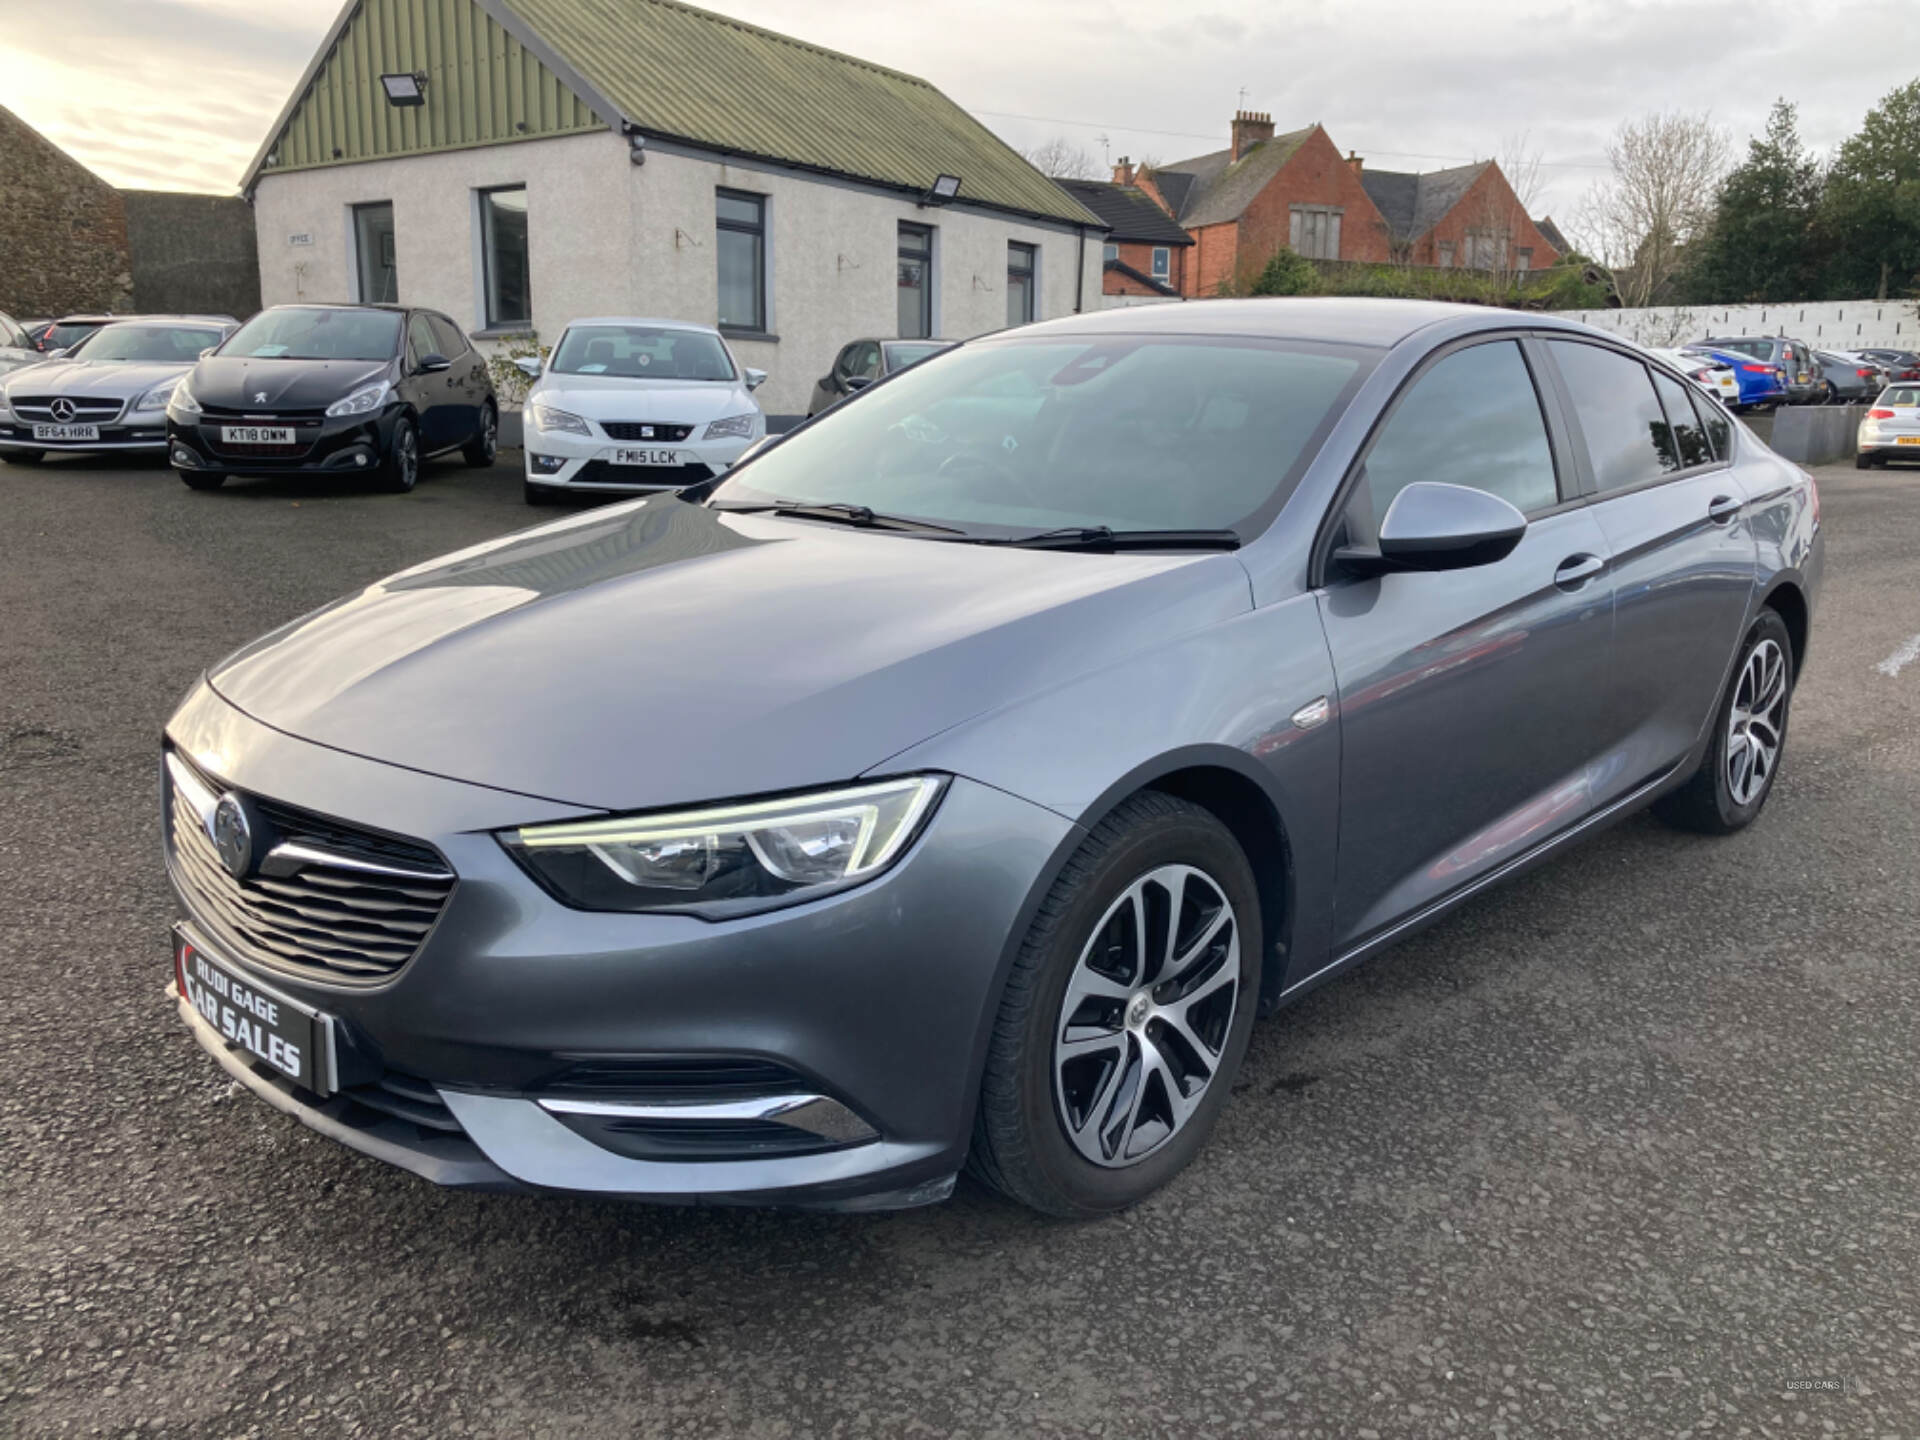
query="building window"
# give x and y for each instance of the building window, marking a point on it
(742, 221)
(916, 281)
(1112, 252)
(1314, 231)
(1444, 258)
(1162, 262)
(1523, 258)
(378, 277)
(1020, 282)
(503, 233)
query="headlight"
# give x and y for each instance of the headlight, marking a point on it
(733, 859)
(364, 401)
(733, 427)
(548, 418)
(157, 397)
(181, 402)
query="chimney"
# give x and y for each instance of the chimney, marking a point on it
(1123, 171)
(1356, 162)
(1249, 129)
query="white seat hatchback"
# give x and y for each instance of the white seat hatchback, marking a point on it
(630, 406)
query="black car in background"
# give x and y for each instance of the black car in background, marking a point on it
(334, 390)
(1901, 364)
(861, 362)
(1793, 359)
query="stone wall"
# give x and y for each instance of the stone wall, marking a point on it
(63, 230)
(192, 254)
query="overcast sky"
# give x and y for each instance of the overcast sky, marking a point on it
(177, 94)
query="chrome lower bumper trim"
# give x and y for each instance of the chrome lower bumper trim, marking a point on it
(814, 1114)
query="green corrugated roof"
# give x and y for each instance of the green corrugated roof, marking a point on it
(677, 71)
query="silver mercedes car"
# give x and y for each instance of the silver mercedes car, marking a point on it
(109, 392)
(952, 783)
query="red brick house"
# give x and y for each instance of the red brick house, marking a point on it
(1146, 250)
(1263, 191)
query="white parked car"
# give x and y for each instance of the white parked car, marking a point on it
(1891, 428)
(1716, 377)
(627, 406)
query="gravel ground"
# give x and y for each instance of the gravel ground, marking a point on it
(1627, 1148)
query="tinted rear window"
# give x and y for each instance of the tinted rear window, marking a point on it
(1687, 444)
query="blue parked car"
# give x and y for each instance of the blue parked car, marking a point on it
(1762, 386)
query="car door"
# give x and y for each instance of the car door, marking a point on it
(436, 395)
(468, 375)
(1469, 700)
(1674, 514)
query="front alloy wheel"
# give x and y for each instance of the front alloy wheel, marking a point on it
(401, 472)
(1124, 1018)
(1146, 1016)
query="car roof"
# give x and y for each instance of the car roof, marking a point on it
(693, 325)
(1380, 324)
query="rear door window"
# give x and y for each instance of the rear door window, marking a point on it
(452, 343)
(1687, 440)
(1474, 419)
(1628, 438)
(420, 341)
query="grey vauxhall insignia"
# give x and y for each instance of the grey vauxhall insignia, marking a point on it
(953, 783)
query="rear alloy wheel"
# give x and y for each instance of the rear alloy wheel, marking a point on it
(401, 470)
(1749, 739)
(23, 457)
(1863, 462)
(480, 450)
(1126, 1015)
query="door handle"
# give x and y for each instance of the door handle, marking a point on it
(1723, 510)
(1577, 570)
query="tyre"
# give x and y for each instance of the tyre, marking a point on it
(400, 471)
(23, 457)
(538, 494)
(480, 450)
(1749, 738)
(200, 480)
(1125, 1016)
(1863, 461)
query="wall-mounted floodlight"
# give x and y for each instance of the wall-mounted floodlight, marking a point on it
(944, 188)
(403, 89)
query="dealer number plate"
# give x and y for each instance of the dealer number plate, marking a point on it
(1907, 440)
(287, 1036)
(646, 457)
(66, 432)
(257, 434)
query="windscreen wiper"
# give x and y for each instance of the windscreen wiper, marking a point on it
(1104, 537)
(840, 513)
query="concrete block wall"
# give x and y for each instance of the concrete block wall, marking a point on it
(1825, 325)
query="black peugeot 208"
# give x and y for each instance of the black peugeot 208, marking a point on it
(332, 390)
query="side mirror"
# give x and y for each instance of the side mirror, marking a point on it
(208, 351)
(434, 364)
(755, 378)
(1431, 526)
(857, 382)
(529, 366)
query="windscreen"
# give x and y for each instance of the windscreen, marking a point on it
(1131, 432)
(67, 336)
(178, 343)
(297, 333)
(642, 352)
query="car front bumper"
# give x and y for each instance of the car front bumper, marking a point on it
(323, 445)
(874, 1002)
(562, 460)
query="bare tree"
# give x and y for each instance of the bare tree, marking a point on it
(1659, 198)
(1497, 215)
(1520, 162)
(1061, 159)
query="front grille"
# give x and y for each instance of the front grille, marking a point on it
(663, 1139)
(639, 430)
(599, 472)
(331, 921)
(405, 1098)
(260, 452)
(87, 410)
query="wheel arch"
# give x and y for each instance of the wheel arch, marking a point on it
(1789, 602)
